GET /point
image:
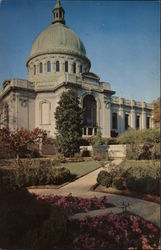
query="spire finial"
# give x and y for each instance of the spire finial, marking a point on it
(58, 13)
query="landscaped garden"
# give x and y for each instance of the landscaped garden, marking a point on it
(38, 223)
(33, 222)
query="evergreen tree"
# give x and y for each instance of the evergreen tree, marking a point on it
(68, 117)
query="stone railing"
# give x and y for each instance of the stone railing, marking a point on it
(88, 131)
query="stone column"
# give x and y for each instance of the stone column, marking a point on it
(70, 67)
(37, 69)
(106, 126)
(121, 118)
(77, 68)
(53, 68)
(62, 67)
(143, 116)
(143, 119)
(45, 67)
(132, 116)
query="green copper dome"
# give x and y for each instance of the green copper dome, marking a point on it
(57, 38)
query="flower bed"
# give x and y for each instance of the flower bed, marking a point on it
(74, 205)
(114, 232)
(41, 223)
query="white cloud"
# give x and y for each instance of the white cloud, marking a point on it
(0, 2)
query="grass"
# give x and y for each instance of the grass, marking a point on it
(81, 168)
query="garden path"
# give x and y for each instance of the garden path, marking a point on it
(81, 188)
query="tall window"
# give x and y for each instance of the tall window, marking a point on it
(80, 69)
(48, 66)
(114, 120)
(66, 66)
(137, 122)
(74, 67)
(126, 121)
(57, 66)
(41, 68)
(34, 69)
(90, 107)
(148, 122)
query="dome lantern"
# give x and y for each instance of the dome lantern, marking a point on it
(58, 13)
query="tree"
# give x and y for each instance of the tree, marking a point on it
(68, 117)
(98, 140)
(156, 112)
(19, 140)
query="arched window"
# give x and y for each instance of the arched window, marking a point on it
(66, 66)
(48, 66)
(74, 67)
(80, 69)
(34, 69)
(41, 68)
(114, 120)
(126, 121)
(89, 107)
(57, 66)
(137, 122)
(148, 122)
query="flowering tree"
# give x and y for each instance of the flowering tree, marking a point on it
(19, 140)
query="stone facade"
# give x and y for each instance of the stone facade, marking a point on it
(53, 69)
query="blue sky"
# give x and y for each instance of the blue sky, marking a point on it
(122, 40)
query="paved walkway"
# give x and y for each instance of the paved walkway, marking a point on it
(81, 188)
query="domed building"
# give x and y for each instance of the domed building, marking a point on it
(58, 62)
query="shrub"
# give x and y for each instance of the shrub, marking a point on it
(140, 136)
(86, 153)
(145, 151)
(23, 177)
(104, 178)
(118, 182)
(130, 182)
(51, 233)
(155, 151)
(147, 185)
(99, 154)
(86, 140)
(20, 212)
(141, 176)
(111, 141)
(98, 140)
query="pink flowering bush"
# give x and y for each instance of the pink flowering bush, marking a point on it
(114, 232)
(73, 204)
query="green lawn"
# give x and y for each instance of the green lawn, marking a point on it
(81, 168)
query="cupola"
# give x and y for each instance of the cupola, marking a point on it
(58, 13)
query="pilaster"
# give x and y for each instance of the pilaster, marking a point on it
(121, 120)
(132, 116)
(106, 131)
